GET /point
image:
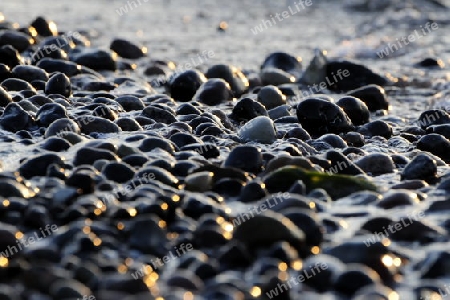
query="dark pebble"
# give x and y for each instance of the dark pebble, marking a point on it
(127, 49)
(118, 172)
(15, 118)
(246, 158)
(96, 59)
(59, 83)
(87, 156)
(421, 167)
(376, 128)
(213, 92)
(373, 95)
(435, 144)
(235, 78)
(49, 113)
(247, 109)
(37, 165)
(184, 85)
(352, 76)
(319, 117)
(355, 109)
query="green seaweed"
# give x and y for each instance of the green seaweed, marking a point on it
(336, 185)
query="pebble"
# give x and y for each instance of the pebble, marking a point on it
(213, 92)
(260, 129)
(233, 76)
(184, 85)
(373, 95)
(421, 167)
(283, 61)
(318, 116)
(435, 144)
(15, 118)
(376, 164)
(29, 73)
(96, 59)
(127, 49)
(271, 97)
(376, 128)
(48, 113)
(272, 76)
(246, 158)
(355, 109)
(5, 97)
(247, 109)
(59, 83)
(353, 76)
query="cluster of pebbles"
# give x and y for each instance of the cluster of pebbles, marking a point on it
(257, 182)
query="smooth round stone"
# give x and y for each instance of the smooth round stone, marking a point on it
(18, 40)
(298, 133)
(271, 97)
(334, 140)
(88, 156)
(51, 65)
(15, 118)
(398, 198)
(279, 112)
(319, 117)
(61, 126)
(90, 124)
(62, 42)
(235, 78)
(373, 95)
(421, 167)
(118, 172)
(183, 86)
(340, 164)
(96, 59)
(247, 109)
(37, 165)
(5, 97)
(376, 164)
(160, 115)
(376, 128)
(127, 49)
(55, 144)
(199, 182)
(435, 144)
(355, 278)
(187, 109)
(150, 144)
(355, 109)
(282, 61)
(59, 83)
(246, 158)
(213, 92)
(44, 27)
(182, 139)
(433, 117)
(130, 103)
(260, 129)
(128, 124)
(443, 130)
(49, 113)
(29, 73)
(272, 228)
(272, 76)
(5, 72)
(47, 52)
(9, 56)
(354, 76)
(15, 84)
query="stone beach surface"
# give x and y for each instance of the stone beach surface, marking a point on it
(173, 150)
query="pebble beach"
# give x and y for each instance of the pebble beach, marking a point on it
(193, 149)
